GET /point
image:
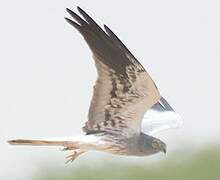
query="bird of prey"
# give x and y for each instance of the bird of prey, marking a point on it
(126, 106)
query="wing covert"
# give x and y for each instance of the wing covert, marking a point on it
(123, 90)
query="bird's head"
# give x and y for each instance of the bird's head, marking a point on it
(158, 145)
(151, 145)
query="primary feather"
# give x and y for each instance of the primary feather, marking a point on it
(124, 91)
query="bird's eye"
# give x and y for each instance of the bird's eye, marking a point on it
(155, 144)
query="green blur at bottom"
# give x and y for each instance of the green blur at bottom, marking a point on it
(196, 166)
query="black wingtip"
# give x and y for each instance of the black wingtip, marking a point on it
(67, 19)
(68, 10)
(107, 29)
(86, 16)
(80, 9)
(76, 17)
(74, 24)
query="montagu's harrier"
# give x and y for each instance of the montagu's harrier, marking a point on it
(124, 94)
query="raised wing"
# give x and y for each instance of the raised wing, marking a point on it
(123, 90)
(159, 117)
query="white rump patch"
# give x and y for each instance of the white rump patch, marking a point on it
(160, 118)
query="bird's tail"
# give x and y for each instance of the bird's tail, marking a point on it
(79, 144)
(29, 142)
(73, 142)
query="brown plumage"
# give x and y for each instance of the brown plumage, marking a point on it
(123, 92)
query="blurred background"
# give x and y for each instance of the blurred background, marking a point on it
(47, 74)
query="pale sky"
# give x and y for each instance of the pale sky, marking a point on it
(47, 74)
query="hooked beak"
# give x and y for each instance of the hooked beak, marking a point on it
(164, 150)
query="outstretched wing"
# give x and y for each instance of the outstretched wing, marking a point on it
(123, 90)
(159, 117)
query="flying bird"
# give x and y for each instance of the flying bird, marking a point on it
(126, 107)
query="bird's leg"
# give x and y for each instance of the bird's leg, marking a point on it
(67, 149)
(73, 156)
